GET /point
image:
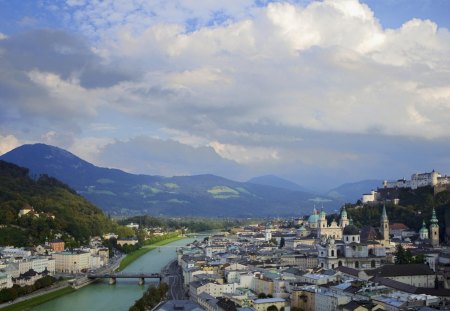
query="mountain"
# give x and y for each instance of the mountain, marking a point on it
(56, 209)
(352, 192)
(278, 182)
(121, 193)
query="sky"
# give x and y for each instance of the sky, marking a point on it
(317, 92)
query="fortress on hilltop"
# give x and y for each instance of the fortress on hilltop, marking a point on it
(390, 189)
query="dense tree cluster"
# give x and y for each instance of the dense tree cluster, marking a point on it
(151, 298)
(10, 294)
(403, 256)
(60, 210)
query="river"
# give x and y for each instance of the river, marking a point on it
(121, 296)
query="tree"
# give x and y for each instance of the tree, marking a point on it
(402, 256)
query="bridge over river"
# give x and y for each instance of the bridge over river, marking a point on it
(125, 275)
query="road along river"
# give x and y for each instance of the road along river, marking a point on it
(102, 296)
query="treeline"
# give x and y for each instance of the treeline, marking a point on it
(151, 298)
(126, 249)
(59, 210)
(192, 224)
(10, 294)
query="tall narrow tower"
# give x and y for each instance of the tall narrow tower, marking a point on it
(434, 230)
(322, 224)
(384, 225)
(344, 219)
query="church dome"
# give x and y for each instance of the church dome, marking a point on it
(351, 230)
(423, 229)
(313, 218)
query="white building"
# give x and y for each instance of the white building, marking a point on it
(71, 262)
(419, 180)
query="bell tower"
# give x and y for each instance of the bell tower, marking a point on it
(384, 226)
(434, 230)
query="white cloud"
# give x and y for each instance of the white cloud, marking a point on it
(245, 154)
(89, 148)
(8, 143)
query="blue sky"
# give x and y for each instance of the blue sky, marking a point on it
(318, 92)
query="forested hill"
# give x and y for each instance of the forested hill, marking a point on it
(415, 206)
(57, 209)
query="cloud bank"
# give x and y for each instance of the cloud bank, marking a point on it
(245, 88)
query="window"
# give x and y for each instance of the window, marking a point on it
(332, 252)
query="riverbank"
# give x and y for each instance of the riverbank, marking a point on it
(44, 297)
(129, 258)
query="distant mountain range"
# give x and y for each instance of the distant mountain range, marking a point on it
(121, 193)
(352, 192)
(275, 181)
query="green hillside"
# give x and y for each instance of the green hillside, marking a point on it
(58, 210)
(414, 207)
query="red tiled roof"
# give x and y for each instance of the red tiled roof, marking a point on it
(398, 226)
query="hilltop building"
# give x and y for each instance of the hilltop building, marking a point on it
(389, 191)
(419, 180)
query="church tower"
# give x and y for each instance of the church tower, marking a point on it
(322, 224)
(344, 219)
(434, 230)
(384, 226)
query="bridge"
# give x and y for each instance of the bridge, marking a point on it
(125, 275)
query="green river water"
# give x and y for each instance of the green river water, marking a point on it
(119, 297)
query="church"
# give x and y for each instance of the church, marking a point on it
(341, 245)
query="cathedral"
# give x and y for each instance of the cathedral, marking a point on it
(318, 221)
(341, 245)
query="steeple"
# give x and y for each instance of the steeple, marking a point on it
(434, 229)
(384, 225)
(383, 213)
(434, 219)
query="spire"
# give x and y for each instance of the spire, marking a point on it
(384, 214)
(434, 219)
